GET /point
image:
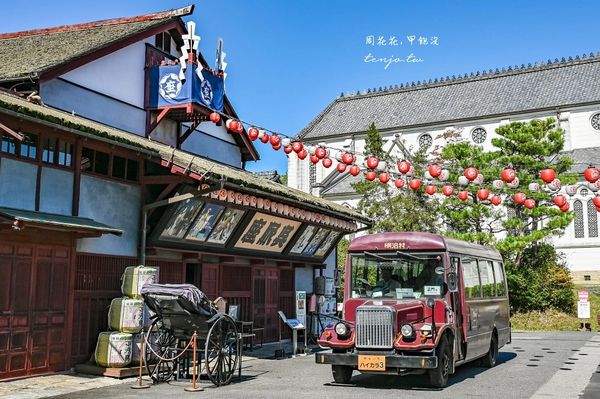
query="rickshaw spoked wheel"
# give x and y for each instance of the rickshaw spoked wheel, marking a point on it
(221, 351)
(164, 344)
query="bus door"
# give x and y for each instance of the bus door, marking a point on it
(459, 307)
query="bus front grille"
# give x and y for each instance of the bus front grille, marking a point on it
(374, 327)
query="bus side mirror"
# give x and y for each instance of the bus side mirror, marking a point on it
(452, 282)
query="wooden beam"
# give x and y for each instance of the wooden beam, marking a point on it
(166, 179)
(187, 133)
(12, 133)
(163, 113)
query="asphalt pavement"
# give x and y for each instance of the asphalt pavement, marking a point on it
(535, 365)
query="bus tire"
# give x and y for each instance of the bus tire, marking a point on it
(489, 360)
(438, 377)
(342, 374)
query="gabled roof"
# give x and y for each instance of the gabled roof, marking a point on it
(582, 158)
(341, 184)
(32, 53)
(193, 164)
(543, 86)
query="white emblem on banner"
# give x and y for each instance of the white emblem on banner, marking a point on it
(169, 86)
(206, 92)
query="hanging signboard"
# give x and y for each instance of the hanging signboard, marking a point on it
(267, 233)
(168, 89)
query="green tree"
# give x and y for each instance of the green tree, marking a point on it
(528, 147)
(390, 209)
(342, 256)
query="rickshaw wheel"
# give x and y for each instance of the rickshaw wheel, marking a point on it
(221, 351)
(165, 345)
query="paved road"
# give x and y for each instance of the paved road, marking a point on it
(535, 365)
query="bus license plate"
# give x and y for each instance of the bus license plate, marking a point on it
(371, 363)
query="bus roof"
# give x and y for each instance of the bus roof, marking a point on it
(419, 241)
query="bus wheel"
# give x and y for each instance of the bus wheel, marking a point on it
(438, 377)
(342, 374)
(489, 360)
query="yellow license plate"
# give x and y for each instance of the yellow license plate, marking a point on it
(371, 363)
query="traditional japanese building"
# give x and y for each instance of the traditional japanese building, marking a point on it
(474, 104)
(108, 159)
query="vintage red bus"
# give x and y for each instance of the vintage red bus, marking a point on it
(418, 303)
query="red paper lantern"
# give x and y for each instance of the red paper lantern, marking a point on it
(403, 167)
(565, 207)
(314, 159)
(287, 149)
(508, 175)
(598, 209)
(327, 162)
(483, 194)
(265, 138)
(596, 200)
(232, 125)
(547, 175)
(448, 190)
(496, 200)
(370, 175)
(471, 173)
(354, 170)
(519, 198)
(253, 133)
(529, 203)
(384, 177)
(591, 174)
(277, 147)
(302, 154)
(435, 170)
(560, 200)
(320, 152)
(215, 117)
(297, 146)
(347, 158)
(430, 189)
(275, 140)
(399, 183)
(372, 162)
(463, 195)
(341, 167)
(415, 184)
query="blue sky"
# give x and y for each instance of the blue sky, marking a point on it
(289, 59)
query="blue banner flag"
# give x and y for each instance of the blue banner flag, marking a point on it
(166, 89)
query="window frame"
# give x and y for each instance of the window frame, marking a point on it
(111, 154)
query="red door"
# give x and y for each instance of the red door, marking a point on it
(33, 308)
(265, 301)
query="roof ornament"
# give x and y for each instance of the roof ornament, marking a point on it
(190, 42)
(220, 61)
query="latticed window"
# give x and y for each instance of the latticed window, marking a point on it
(592, 219)
(579, 228)
(425, 140)
(478, 135)
(596, 121)
(312, 174)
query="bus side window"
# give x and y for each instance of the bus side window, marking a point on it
(471, 278)
(499, 276)
(486, 272)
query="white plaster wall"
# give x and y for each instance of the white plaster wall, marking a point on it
(56, 191)
(582, 258)
(119, 75)
(214, 142)
(116, 205)
(17, 184)
(582, 133)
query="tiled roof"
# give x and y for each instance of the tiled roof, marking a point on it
(17, 106)
(542, 86)
(29, 54)
(269, 175)
(582, 158)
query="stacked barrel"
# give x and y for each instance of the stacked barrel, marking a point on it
(127, 316)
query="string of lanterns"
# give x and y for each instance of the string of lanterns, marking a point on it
(377, 169)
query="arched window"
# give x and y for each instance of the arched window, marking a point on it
(579, 228)
(592, 219)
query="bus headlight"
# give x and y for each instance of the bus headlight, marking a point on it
(408, 332)
(342, 330)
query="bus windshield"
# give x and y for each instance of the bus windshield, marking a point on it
(399, 276)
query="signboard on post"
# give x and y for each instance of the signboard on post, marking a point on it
(301, 306)
(583, 305)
